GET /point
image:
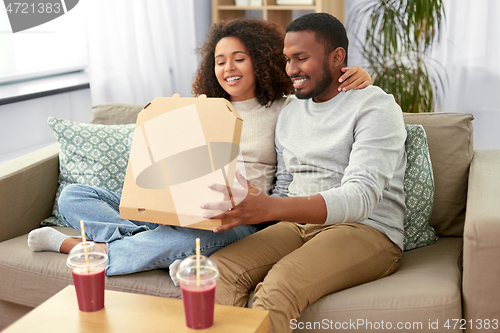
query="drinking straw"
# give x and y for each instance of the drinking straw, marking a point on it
(198, 262)
(85, 246)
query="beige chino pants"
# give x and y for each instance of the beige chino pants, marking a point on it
(292, 265)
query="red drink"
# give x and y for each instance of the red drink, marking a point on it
(87, 262)
(89, 288)
(198, 304)
(198, 276)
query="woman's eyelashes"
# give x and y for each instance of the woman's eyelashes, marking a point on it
(222, 63)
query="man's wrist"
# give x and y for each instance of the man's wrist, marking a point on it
(271, 209)
(310, 209)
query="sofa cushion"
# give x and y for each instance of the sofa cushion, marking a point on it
(29, 278)
(449, 136)
(419, 190)
(426, 288)
(115, 114)
(95, 155)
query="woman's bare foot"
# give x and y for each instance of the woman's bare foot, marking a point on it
(70, 243)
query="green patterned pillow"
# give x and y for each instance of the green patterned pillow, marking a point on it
(419, 190)
(90, 154)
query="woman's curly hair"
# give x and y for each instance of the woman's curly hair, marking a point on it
(264, 42)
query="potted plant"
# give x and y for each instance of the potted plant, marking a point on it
(399, 35)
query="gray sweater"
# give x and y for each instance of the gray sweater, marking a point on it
(350, 150)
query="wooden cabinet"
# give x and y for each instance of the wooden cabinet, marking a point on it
(269, 10)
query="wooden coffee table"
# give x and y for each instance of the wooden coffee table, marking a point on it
(125, 312)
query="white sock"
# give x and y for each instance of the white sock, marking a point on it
(46, 239)
(172, 270)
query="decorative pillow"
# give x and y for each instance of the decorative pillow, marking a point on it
(90, 154)
(419, 190)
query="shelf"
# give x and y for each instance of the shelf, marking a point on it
(283, 7)
(279, 14)
(272, 7)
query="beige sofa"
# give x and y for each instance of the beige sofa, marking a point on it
(430, 290)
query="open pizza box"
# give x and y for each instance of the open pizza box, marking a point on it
(180, 146)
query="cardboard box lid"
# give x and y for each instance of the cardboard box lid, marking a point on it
(180, 145)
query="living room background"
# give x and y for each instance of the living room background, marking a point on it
(139, 50)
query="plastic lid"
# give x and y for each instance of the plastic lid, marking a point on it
(187, 269)
(96, 255)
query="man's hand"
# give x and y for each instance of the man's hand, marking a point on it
(354, 78)
(251, 205)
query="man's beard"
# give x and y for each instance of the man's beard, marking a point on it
(322, 85)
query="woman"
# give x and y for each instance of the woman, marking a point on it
(242, 62)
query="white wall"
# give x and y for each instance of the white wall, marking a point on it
(24, 124)
(203, 16)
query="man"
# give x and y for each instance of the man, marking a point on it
(341, 163)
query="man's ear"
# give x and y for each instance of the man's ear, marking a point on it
(337, 57)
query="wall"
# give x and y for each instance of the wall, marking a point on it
(24, 124)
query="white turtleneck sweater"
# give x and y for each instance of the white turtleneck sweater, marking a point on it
(257, 140)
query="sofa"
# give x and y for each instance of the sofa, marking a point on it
(448, 286)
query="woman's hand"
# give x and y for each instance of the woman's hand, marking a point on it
(354, 78)
(251, 205)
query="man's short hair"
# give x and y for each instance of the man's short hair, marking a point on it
(329, 30)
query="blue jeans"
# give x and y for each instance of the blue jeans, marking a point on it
(135, 246)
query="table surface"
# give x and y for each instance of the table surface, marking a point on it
(125, 312)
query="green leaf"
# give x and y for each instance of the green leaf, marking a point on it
(398, 37)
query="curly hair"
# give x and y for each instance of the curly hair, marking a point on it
(264, 42)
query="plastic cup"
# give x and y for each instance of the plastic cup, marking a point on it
(88, 277)
(198, 300)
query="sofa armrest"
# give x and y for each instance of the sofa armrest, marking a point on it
(28, 186)
(481, 275)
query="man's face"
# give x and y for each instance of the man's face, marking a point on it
(308, 67)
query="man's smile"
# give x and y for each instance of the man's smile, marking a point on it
(299, 82)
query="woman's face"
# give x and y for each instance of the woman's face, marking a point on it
(234, 69)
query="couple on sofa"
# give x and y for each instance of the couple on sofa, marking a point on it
(337, 154)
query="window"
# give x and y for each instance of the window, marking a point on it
(58, 46)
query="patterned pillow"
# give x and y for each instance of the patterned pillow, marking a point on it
(90, 154)
(419, 190)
